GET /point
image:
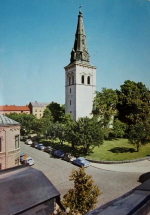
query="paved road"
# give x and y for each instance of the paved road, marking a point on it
(112, 184)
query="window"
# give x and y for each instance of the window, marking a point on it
(82, 79)
(72, 79)
(0, 166)
(35, 110)
(70, 102)
(16, 141)
(70, 90)
(0, 144)
(88, 80)
(70, 111)
(69, 80)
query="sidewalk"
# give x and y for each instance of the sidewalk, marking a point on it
(140, 166)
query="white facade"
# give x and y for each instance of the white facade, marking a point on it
(80, 89)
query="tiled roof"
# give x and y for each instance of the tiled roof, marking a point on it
(14, 108)
(39, 104)
(4, 121)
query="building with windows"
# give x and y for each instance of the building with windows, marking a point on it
(80, 77)
(37, 108)
(9, 142)
(7, 109)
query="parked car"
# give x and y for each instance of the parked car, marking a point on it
(68, 157)
(22, 138)
(29, 160)
(59, 153)
(80, 161)
(40, 146)
(48, 149)
(34, 144)
(28, 142)
(23, 156)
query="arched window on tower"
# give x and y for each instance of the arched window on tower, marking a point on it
(82, 79)
(88, 80)
(73, 79)
(69, 80)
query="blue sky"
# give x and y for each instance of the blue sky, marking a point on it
(37, 37)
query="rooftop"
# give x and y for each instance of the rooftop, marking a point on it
(14, 108)
(24, 187)
(4, 121)
(39, 104)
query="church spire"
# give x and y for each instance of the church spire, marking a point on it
(80, 51)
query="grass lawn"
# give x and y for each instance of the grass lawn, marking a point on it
(118, 150)
(113, 150)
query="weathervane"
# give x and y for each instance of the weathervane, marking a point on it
(80, 8)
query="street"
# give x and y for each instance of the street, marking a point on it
(112, 184)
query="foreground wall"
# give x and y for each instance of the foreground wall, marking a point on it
(135, 202)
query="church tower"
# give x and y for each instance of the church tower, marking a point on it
(80, 77)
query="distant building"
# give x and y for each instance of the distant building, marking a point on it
(37, 108)
(80, 77)
(7, 109)
(9, 142)
(27, 191)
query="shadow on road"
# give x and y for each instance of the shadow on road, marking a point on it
(144, 177)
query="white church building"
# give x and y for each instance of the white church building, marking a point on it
(80, 77)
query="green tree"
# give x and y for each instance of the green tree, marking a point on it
(59, 130)
(47, 114)
(57, 111)
(119, 129)
(137, 135)
(88, 133)
(26, 120)
(71, 131)
(83, 197)
(104, 108)
(133, 103)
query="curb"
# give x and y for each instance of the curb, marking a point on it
(119, 162)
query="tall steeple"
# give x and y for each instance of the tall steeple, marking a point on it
(80, 51)
(80, 77)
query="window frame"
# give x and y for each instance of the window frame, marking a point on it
(17, 142)
(88, 80)
(82, 79)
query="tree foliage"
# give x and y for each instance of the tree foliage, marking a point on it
(134, 102)
(83, 197)
(26, 120)
(139, 135)
(57, 111)
(104, 108)
(57, 130)
(119, 129)
(85, 133)
(88, 133)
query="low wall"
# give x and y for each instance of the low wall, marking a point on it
(135, 202)
(119, 162)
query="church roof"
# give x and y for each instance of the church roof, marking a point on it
(5, 121)
(79, 52)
